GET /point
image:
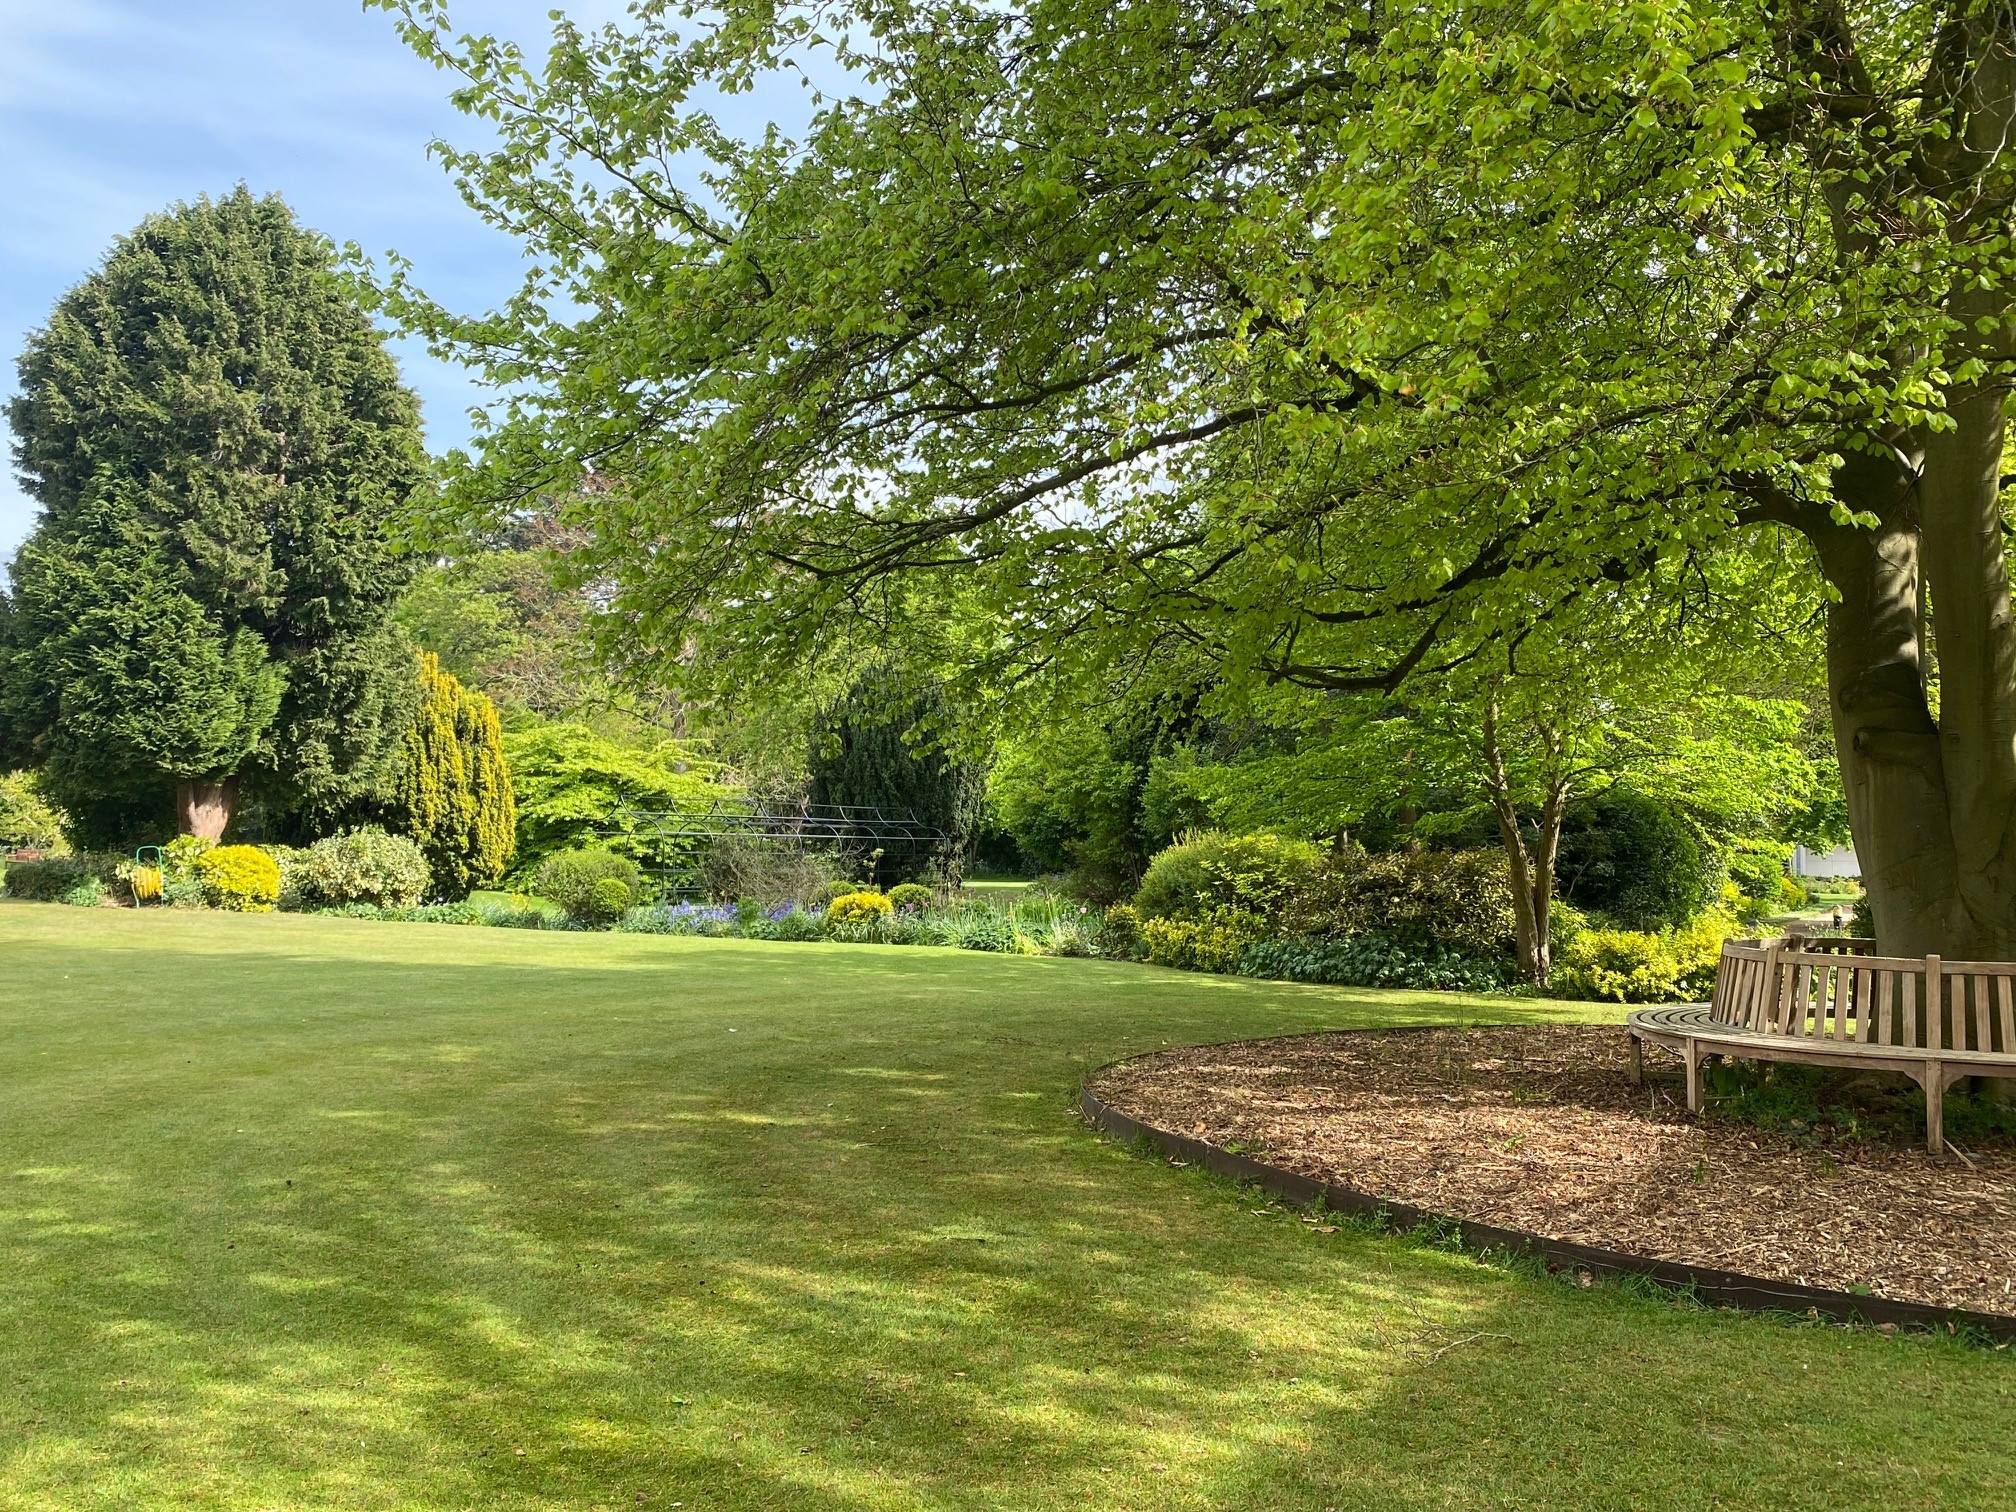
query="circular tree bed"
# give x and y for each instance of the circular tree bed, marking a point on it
(1537, 1129)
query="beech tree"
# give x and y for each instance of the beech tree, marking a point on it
(218, 441)
(1335, 345)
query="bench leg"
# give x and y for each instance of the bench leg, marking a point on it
(1935, 1107)
(1637, 1061)
(1693, 1076)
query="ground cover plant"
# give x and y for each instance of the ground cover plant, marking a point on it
(310, 1213)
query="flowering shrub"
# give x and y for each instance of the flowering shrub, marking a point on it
(857, 908)
(680, 919)
(785, 922)
(239, 878)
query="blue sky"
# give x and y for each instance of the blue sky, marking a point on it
(110, 109)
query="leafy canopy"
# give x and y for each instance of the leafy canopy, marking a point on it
(1323, 345)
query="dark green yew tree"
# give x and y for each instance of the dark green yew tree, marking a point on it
(218, 440)
(878, 749)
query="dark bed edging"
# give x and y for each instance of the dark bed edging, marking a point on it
(1717, 1288)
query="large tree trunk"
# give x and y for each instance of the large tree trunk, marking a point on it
(203, 808)
(1932, 803)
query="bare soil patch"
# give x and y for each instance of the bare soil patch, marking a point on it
(1537, 1128)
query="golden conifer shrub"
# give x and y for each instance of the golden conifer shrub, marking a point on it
(454, 792)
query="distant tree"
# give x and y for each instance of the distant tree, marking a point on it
(218, 440)
(881, 747)
(453, 794)
(28, 821)
(575, 787)
(1636, 860)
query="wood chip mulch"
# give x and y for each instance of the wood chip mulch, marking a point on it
(1538, 1129)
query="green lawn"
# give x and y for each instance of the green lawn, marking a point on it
(320, 1213)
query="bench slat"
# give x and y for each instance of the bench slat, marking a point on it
(2005, 1000)
(1694, 1023)
(1865, 1003)
(1887, 1028)
(1844, 978)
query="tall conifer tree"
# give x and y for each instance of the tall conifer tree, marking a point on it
(218, 440)
(454, 792)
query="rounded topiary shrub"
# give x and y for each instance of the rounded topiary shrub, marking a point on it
(239, 878)
(363, 866)
(858, 908)
(594, 886)
(910, 895)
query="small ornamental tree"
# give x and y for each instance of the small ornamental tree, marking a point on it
(453, 795)
(217, 439)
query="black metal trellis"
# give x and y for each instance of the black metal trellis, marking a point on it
(885, 837)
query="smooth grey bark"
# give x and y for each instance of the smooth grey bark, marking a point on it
(1931, 792)
(1931, 800)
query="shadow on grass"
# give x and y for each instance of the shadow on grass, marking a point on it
(327, 1221)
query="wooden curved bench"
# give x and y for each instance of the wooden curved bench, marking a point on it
(1833, 1004)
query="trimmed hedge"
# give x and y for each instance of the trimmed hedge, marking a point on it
(52, 879)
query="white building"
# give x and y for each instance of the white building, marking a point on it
(1840, 862)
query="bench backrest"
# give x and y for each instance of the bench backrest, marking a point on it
(1785, 987)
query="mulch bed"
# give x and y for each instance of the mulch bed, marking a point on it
(1537, 1128)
